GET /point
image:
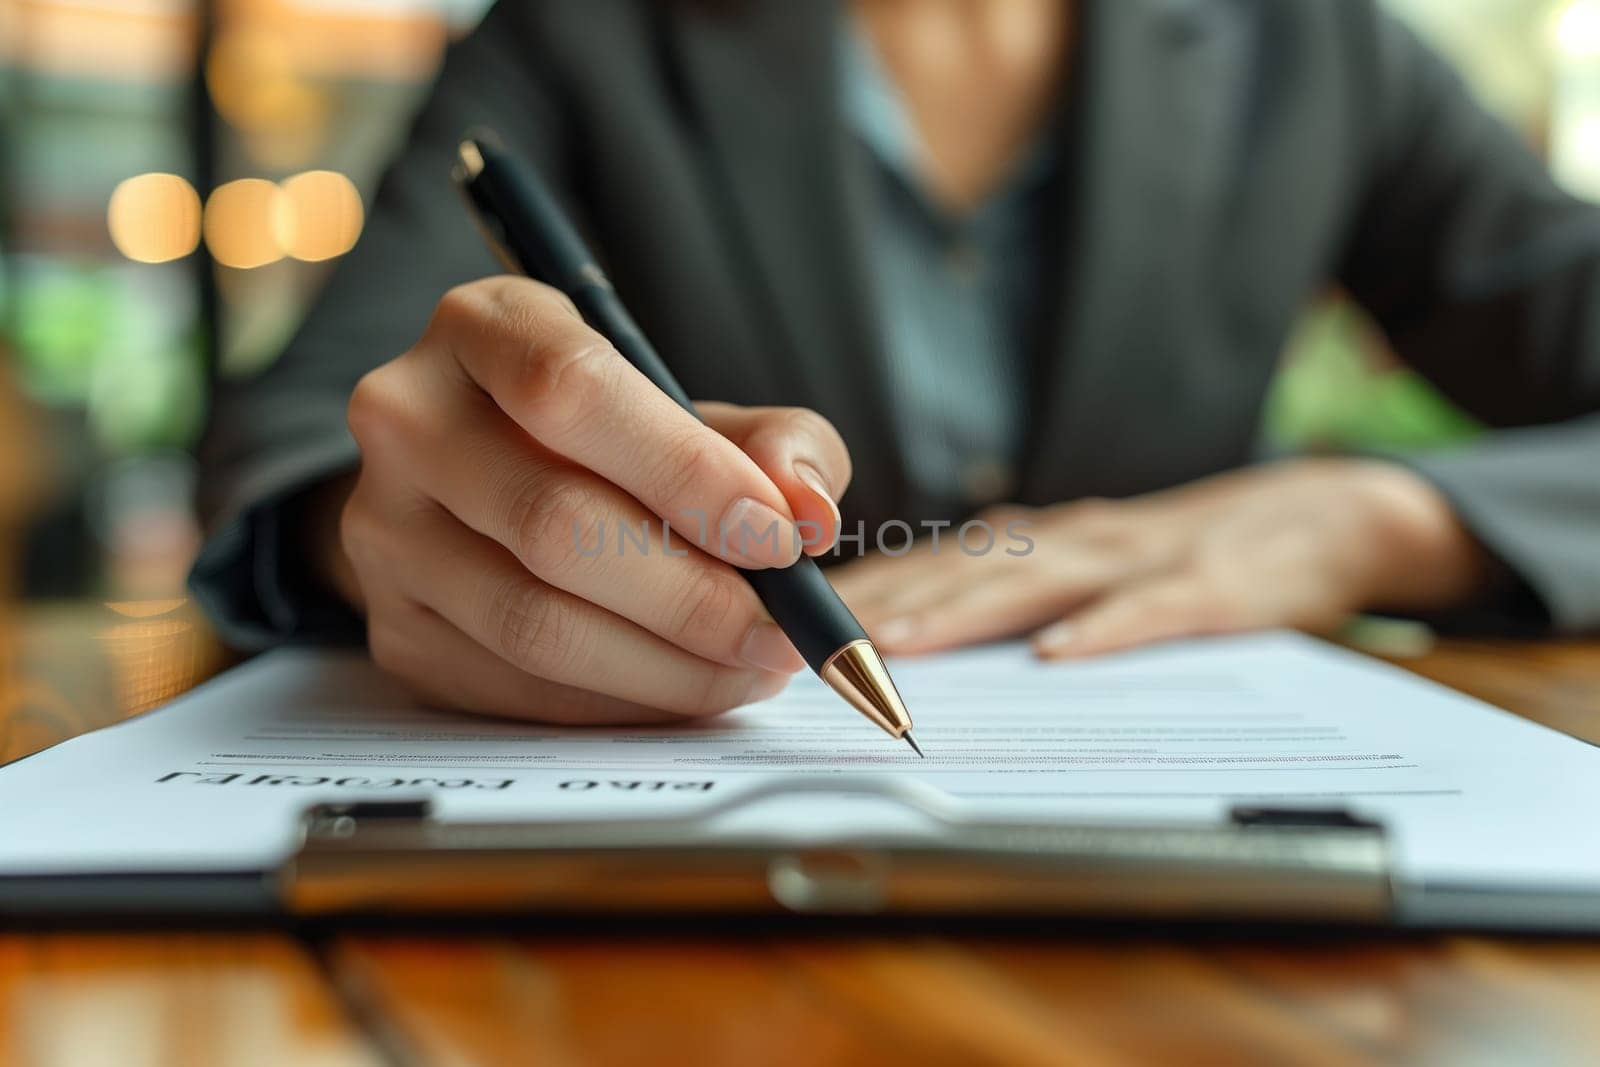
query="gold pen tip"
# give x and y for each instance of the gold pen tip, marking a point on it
(856, 672)
(912, 741)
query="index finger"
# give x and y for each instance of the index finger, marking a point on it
(567, 386)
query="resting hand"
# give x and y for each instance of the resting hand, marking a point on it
(1302, 543)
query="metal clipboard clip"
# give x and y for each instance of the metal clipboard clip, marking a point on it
(1261, 864)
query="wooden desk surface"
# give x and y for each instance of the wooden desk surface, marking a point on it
(176, 998)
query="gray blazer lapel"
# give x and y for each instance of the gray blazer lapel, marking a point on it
(761, 80)
(1163, 95)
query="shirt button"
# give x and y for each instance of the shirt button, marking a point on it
(987, 481)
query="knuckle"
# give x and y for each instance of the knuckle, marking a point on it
(525, 307)
(460, 305)
(1004, 515)
(1210, 608)
(1125, 548)
(356, 526)
(1189, 603)
(1100, 526)
(531, 626)
(371, 401)
(547, 523)
(1090, 511)
(387, 647)
(716, 690)
(365, 534)
(1120, 610)
(707, 609)
(552, 358)
(805, 424)
(559, 381)
(689, 463)
(386, 412)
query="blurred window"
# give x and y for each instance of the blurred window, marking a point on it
(178, 177)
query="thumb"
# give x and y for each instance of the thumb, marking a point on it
(803, 455)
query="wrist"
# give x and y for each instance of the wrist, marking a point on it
(317, 517)
(1423, 556)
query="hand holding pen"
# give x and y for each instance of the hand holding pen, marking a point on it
(499, 447)
(526, 225)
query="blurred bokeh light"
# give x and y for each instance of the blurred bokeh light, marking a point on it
(1576, 27)
(178, 177)
(154, 218)
(239, 225)
(318, 216)
(255, 84)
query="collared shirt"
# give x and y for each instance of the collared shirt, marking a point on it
(956, 296)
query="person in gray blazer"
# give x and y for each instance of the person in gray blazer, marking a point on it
(1013, 272)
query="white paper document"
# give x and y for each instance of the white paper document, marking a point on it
(216, 781)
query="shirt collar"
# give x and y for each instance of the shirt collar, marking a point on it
(874, 108)
(878, 115)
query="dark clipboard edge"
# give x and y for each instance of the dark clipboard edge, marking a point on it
(398, 827)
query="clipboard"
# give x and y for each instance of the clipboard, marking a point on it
(149, 842)
(397, 858)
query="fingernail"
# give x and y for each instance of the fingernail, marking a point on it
(1055, 637)
(755, 532)
(767, 647)
(818, 538)
(896, 631)
(817, 484)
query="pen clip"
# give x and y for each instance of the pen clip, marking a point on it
(465, 175)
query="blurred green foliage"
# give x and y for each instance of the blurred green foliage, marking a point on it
(1337, 388)
(89, 337)
(1335, 392)
(62, 320)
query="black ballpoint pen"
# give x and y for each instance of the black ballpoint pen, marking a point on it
(533, 235)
